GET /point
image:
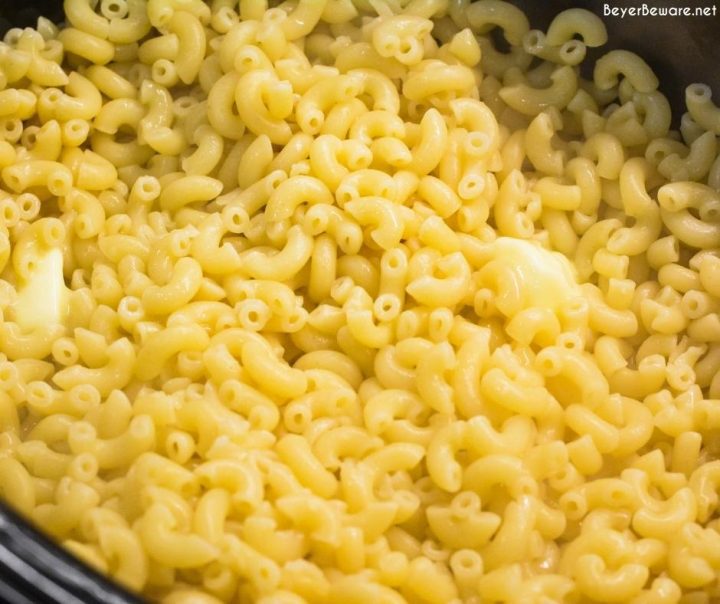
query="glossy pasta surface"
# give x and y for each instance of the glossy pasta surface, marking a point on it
(332, 301)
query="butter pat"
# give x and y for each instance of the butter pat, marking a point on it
(523, 274)
(42, 298)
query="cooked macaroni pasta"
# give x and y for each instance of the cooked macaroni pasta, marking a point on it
(328, 301)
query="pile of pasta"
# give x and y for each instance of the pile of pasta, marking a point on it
(352, 301)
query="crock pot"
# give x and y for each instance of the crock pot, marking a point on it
(681, 50)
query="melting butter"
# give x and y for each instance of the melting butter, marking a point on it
(42, 297)
(543, 278)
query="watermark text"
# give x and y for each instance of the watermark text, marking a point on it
(646, 10)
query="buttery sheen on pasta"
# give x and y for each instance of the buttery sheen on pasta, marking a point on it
(335, 302)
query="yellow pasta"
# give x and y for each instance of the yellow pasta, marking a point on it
(333, 301)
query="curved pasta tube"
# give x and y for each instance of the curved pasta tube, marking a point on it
(633, 187)
(90, 171)
(82, 16)
(207, 154)
(86, 45)
(255, 161)
(262, 534)
(251, 91)
(123, 547)
(442, 465)
(52, 175)
(42, 461)
(81, 100)
(221, 102)
(613, 585)
(690, 230)
(704, 483)
(34, 345)
(160, 346)
(636, 239)
(239, 35)
(107, 123)
(401, 37)
(393, 458)
(607, 152)
(461, 524)
(381, 410)
(663, 591)
(213, 256)
(262, 572)
(594, 239)
(164, 544)
(366, 183)
(240, 479)
(119, 451)
(184, 282)
(440, 196)
(635, 428)
(656, 110)
(294, 192)
(16, 485)
(513, 207)
(314, 105)
(471, 359)
(431, 145)
(91, 214)
(530, 101)
(431, 382)
(313, 516)
(534, 324)
(325, 160)
(73, 499)
(448, 287)
(570, 372)
(17, 103)
(511, 541)
(698, 98)
(260, 364)
(379, 87)
(303, 19)
(677, 196)
(497, 387)
(188, 190)
(335, 445)
(659, 518)
(571, 52)
(384, 215)
(577, 21)
(295, 452)
(154, 128)
(242, 398)
(160, 12)
(692, 558)
(377, 124)
(115, 374)
(480, 121)
(496, 13)
(283, 264)
(627, 64)
(191, 44)
(44, 72)
(539, 148)
(360, 323)
(131, 28)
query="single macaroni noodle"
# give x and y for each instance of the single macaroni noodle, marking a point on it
(327, 301)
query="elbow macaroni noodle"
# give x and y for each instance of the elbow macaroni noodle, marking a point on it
(332, 301)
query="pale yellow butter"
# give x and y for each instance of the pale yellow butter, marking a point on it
(545, 279)
(43, 298)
